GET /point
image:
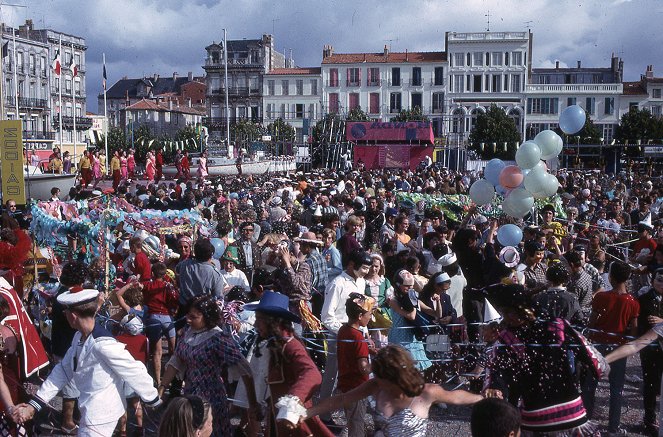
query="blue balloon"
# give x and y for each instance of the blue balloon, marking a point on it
(501, 190)
(509, 235)
(572, 119)
(219, 247)
(493, 170)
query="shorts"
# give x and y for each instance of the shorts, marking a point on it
(159, 325)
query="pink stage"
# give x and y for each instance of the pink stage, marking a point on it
(391, 155)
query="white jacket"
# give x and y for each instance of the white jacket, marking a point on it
(100, 371)
(333, 314)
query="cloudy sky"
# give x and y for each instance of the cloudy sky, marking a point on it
(143, 37)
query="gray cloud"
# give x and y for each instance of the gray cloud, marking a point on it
(143, 37)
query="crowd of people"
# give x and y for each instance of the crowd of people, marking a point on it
(333, 290)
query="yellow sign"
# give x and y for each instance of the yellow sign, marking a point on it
(11, 155)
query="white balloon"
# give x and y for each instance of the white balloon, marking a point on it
(551, 184)
(528, 155)
(535, 180)
(549, 142)
(521, 201)
(482, 192)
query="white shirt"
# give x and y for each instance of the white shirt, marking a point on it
(455, 292)
(236, 278)
(338, 291)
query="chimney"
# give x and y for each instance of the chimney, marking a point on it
(406, 55)
(327, 51)
(174, 76)
(556, 65)
(188, 102)
(155, 78)
(170, 105)
(386, 51)
(190, 76)
(579, 64)
(650, 72)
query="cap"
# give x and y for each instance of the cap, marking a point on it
(77, 296)
(405, 278)
(447, 259)
(391, 212)
(442, 277)
(509, 256)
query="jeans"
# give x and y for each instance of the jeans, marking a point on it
(616, 379)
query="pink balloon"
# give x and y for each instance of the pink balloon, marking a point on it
(511, 176)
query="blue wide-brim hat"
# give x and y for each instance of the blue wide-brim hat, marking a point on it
(274, 304)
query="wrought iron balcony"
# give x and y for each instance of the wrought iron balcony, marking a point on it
(37, 135)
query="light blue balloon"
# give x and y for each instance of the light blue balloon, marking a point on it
(528, 155)
(509, 235)
(219, 247)
(482, 192)
(493, 170)
(501, 190)
(572, 119)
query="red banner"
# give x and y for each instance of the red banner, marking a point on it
(391, 156)
(410, 131)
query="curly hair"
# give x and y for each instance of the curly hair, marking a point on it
(395, 364)
(74, 273)
(207, 306)
(133, 296)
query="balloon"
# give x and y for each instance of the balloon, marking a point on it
(509, 235)
(511, 176)
(502, 191)
(535, 180)
(482, 192)
(541, 166)
(550, 143)
(528, 155)
(493, 170)
(551, 184)
(219, 247)
(520, 202)
(572, 119)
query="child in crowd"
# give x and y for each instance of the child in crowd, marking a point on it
(353, 350)
(495, 418)
(130, 299)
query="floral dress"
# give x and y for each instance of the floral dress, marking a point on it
(201, 357)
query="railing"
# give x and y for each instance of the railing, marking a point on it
(416, 82)
(351, 82)
(612, 88)
(395, 83)
(374, 82)
(36, 135)
(478, 36)
(235, 91)
(395, 110)
(232, 63)
(26, 102)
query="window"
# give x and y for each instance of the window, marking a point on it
(299, 110)
(656, 93)
(516, 58)
(515, 83)
(570, 78)
(285, 88)
(438, 76)
(477, 60)
(67, 58)
(353, 100)
(609, 106)
(270, 111)
(299, 84)
(506, 82)
(19, 61)
(314, 87)
(396, 76)
(542, 105)
(354, 77)
(608, 132)
(395, 103)
(374, 103)
(459, 59)
(77, 59)
(311, 111)
(77, 86)
(333, 77)
(333, 103)
(458, 83)
(590, 103)
(416, 100)
(457, 121)
(656, 110)
(67, 86)
(633, 106)
(477, 83)
(487, 58)
(497, 83)
(43, 66)
(496, 59)
(486, 83)
(570, 101)
(270, 88)
(468, 59)
(416, 76)
(373, 76)
(468, 83)
(438, 102)
(506, 58)
(282, 114)
(32, 65)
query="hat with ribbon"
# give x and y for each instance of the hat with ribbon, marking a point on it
(77, 296)
(509, 256)
(274, 304)
(231, 254)
(308, 238)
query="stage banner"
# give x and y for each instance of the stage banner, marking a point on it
(406, 131)
(11, 154)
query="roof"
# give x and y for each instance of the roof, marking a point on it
(162, 85)
(381, 58)
(634, 89)
(301, 70)
(151, 105)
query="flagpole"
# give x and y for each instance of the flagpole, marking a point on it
(60, 91)
(105, 113)
(225, 68)
(73, 94)
(2, 74)
(18, 114)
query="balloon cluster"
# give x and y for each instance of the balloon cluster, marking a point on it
(522, 183)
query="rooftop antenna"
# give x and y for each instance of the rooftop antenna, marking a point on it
(488, 18)
(274, 20)
(528, 25)
(390, 41)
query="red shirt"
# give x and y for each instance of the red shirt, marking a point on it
(157, 296)
(136, 345)
(649, 243)
(614, 314)
(351, 346)
(142, 266)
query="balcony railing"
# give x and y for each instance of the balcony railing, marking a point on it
(37, 135)
(236, 91)
(395, 110)
(25, 102)
(373, 82)
(417, 82)
(395, 83)
(233, 63)
(351, 82)
(606, 88)
(333, 83)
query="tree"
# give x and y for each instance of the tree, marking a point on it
(357, 114)
(117, 140)
(638, 125)
(494, 126)
(246, 131)
(143, 141)
(414, 114)
(281, 131)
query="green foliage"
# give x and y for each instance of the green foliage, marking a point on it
(639, 124)
(281, 131)
(357, 114)
(494, 126)
(117, 140)
(245, 131)
(321, 130)
(414, 114)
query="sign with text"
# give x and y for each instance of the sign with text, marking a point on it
(406, 131)
(11, 155)
(654, 151)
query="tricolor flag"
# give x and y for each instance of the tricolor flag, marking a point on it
(56, 63)
(104, 76)
(74, 68)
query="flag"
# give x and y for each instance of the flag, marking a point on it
(104, 75)
(56, 63)
(74, 68)
(5, 50)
